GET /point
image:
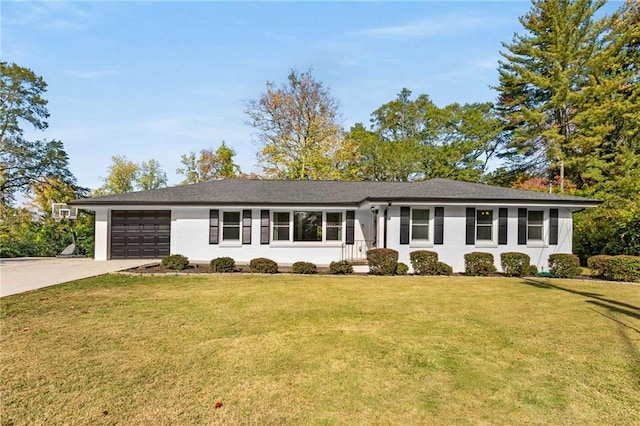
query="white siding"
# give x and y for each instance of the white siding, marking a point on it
(190, 235)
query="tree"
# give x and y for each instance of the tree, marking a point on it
(413, 139)
(24, 162)
(209, 165)
(151, 175)
(542, 78)
(122, 177)
(299, 127)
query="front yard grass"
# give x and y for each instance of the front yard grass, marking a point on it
(287, 349)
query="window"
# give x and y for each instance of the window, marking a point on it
(420, 224)
(281, 226)
(230, 226)
(334, 227)
(307, 226)
(484, 225)
(535, 225)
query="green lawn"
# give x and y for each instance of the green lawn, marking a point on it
(289, 349)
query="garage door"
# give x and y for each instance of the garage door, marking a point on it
(140, 234)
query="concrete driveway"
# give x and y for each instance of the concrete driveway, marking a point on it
(25, 274)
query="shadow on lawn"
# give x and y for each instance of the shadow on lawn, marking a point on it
(613, 306)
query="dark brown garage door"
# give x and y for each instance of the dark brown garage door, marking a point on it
(140, 234)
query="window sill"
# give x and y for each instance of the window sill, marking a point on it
(307, 244)
(421, 244)
(487, 244)
(230, 244)
(536, 244)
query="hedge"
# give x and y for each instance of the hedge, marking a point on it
(263, 265)
(223, 264)
(304, 268)
(341, 267)
(479, 263)
(423, 261)
(176, 262)
(564, 265)
(622, 268)
(597, 264)
(515, 264)
(382, 261)
(402, 269)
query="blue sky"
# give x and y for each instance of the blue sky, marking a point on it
(161, 79)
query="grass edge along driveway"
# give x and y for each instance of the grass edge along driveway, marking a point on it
(289, 349)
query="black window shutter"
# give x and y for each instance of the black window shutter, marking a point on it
(503, 219)
(471, 226)
(214, 225)
(349, 235)
(438, 238)
(264, 226)
(522, 226)
(404, 224)
(246, 226)
(553, 227)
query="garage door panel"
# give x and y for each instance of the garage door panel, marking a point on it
(140, 233)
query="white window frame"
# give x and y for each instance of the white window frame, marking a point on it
(541, 225)
(493, 242)
(428, 242)
(341, 227)
(222, 226)
(291, 227)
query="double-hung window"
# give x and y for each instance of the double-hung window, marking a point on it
(420, 224)
(333, 226)
(231, 226)
(484, 225)
(535, 225)
(281, 226)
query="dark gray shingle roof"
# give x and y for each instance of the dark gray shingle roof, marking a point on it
(281, 192)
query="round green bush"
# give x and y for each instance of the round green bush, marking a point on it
(304, 268)
(597, 264)
(564, 265)
(176, 262)
(515, 264)
(341, 267)
(441, 268)
(262, 265)
(479, 264)
(382, 261)
(223, 264)
(402, 269)
(423, 261)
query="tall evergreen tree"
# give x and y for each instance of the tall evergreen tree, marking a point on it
(542, 78)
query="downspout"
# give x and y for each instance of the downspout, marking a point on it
(384, 229)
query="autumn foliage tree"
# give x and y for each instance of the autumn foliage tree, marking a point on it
(299, 132)
(209, 164)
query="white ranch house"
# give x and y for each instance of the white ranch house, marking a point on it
(324, 221)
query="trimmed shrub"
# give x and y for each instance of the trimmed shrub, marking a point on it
(532, 270)
(423, 261)
(441, 268)
(263, 265)
(564, 265)
(515, 264)
(402, 269)
(382, 261)
(341, 267)
(304, 268)
(177, 262)
(479, 263)
(223, 264)
(597, 264)
(622, 268)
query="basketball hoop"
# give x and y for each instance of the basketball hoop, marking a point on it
(61, 211)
